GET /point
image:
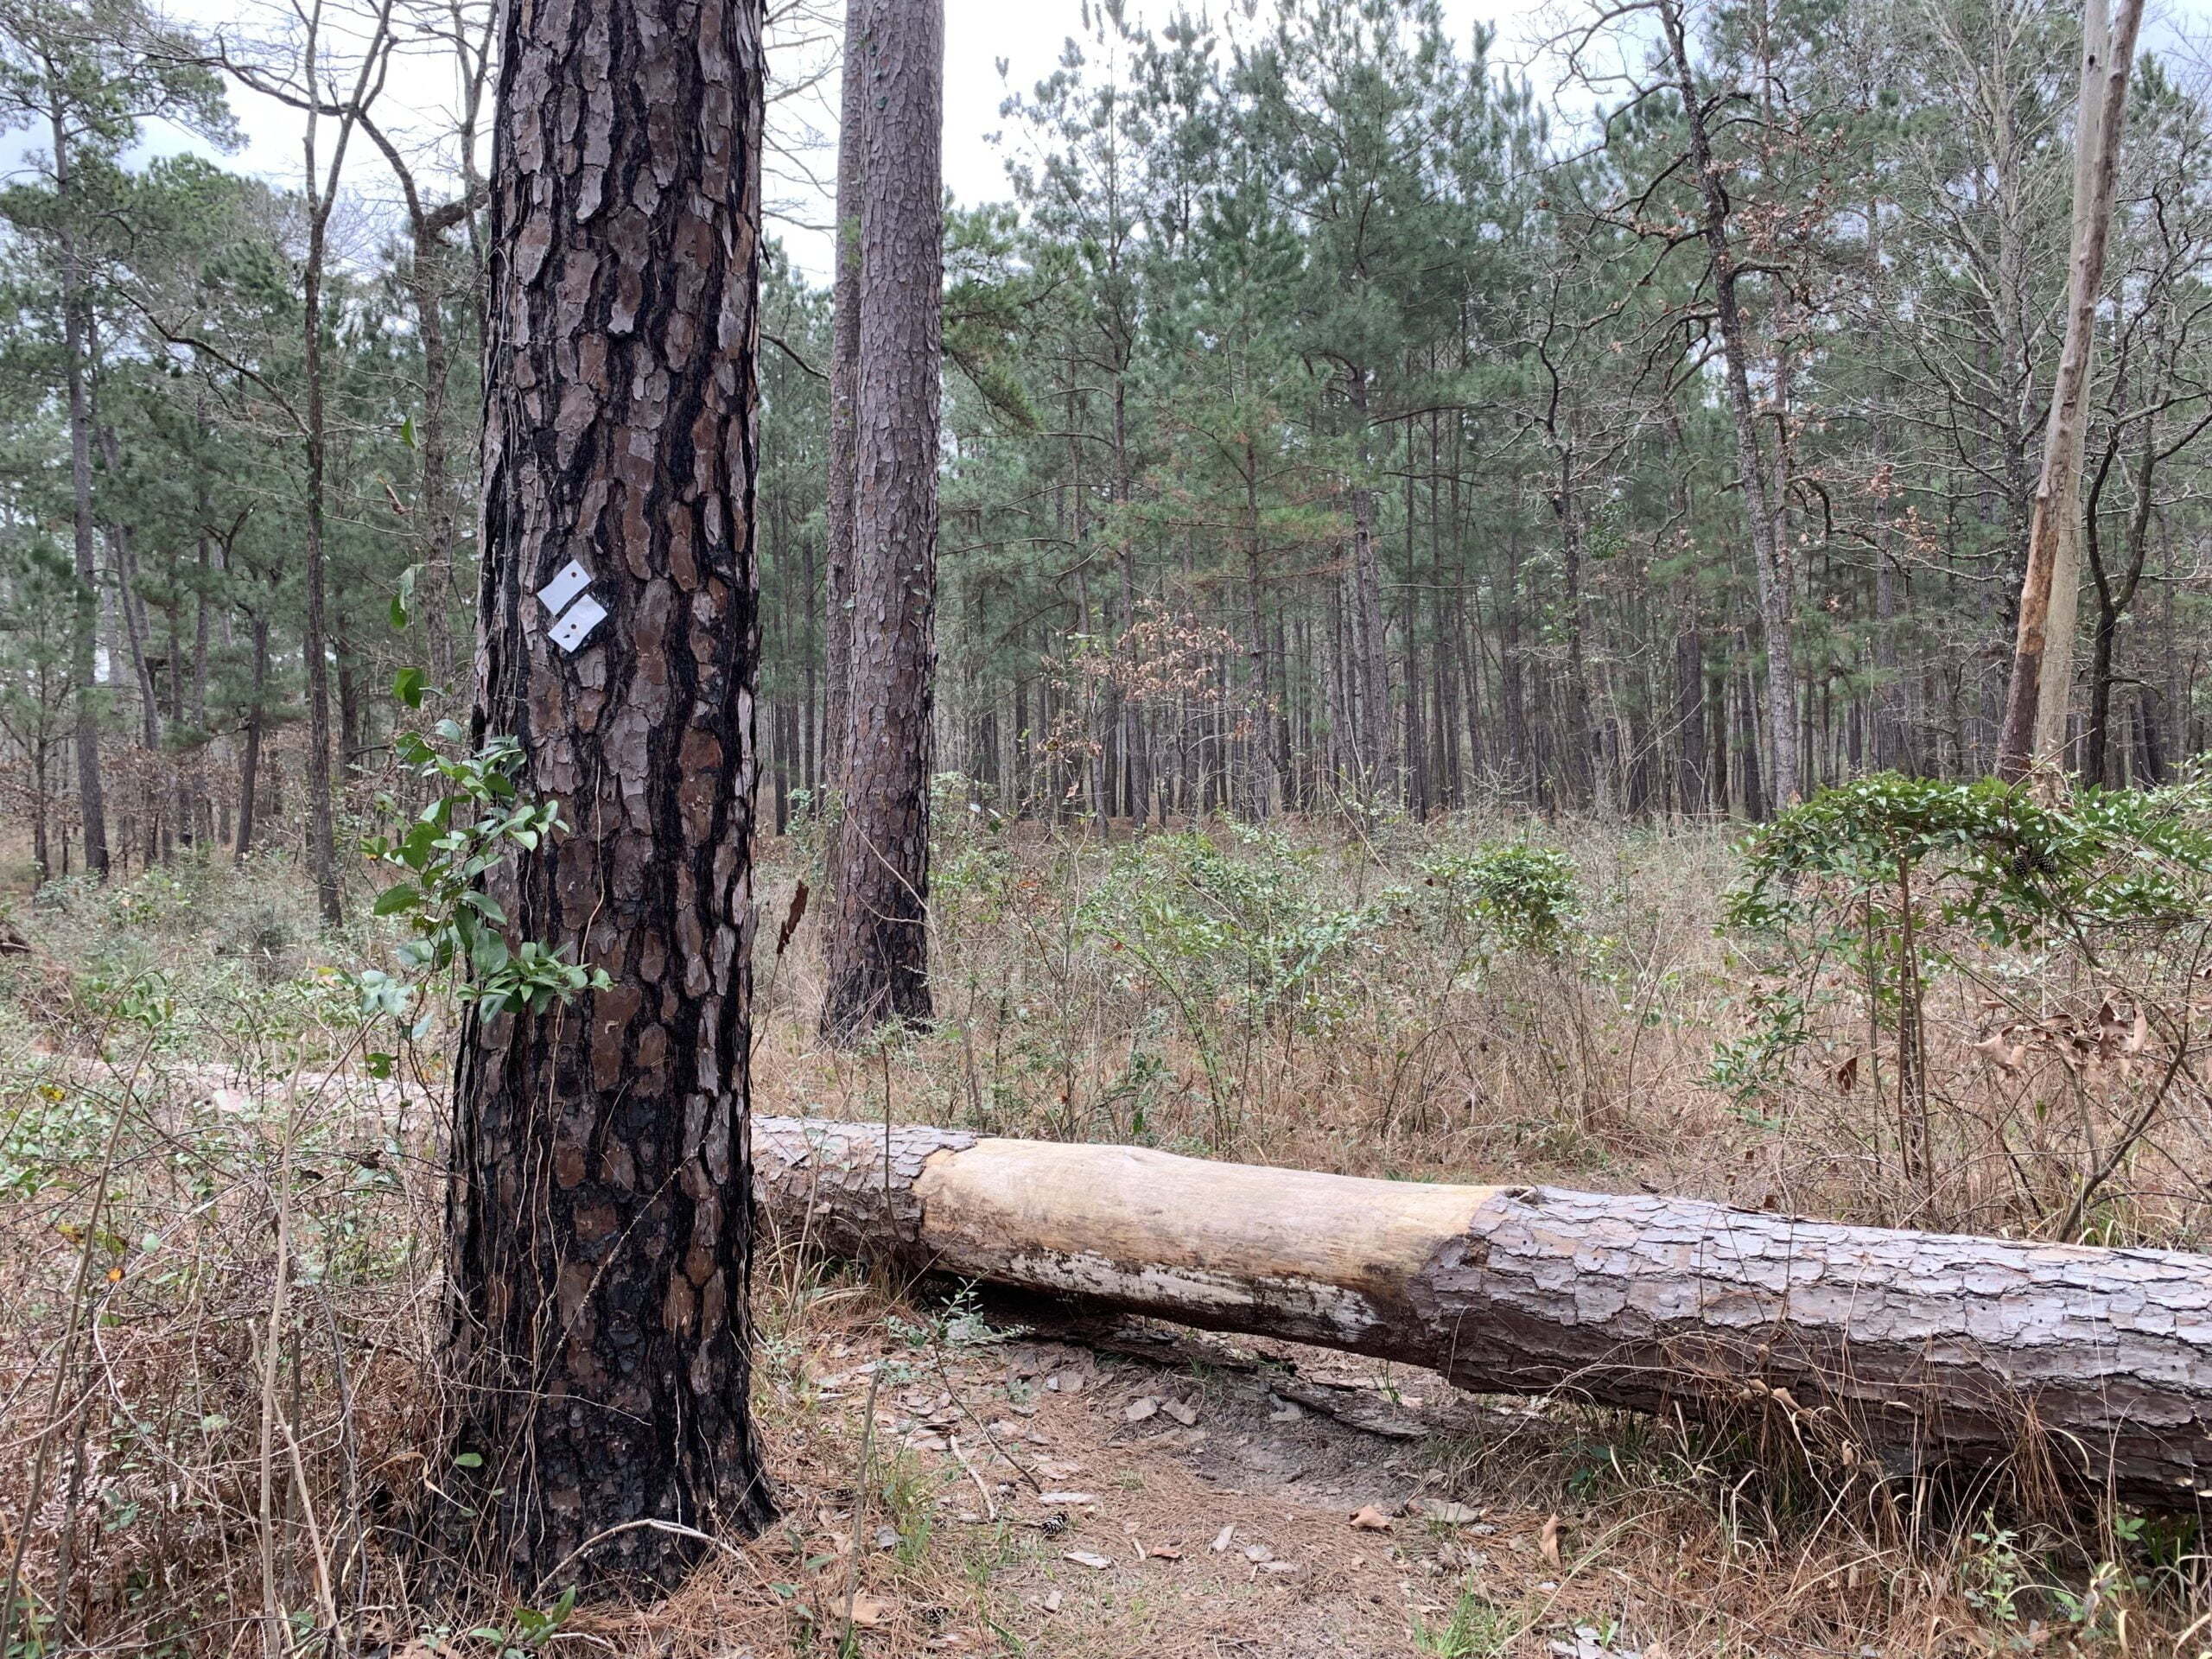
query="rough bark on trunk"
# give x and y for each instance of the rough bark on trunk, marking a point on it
(2091, 1367)
(877, 965)
(602, 1224)
(2036, 698)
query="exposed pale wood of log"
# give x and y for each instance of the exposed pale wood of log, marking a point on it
(2081, 1366)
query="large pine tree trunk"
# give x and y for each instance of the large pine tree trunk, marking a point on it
(2074, 1366)
(878, 934)
(602, 1215)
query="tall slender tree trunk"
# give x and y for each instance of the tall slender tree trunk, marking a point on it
(92, 801)
(1520, 764)
(129, 602)
(426, 276)
(179, 814)
(2038, 695)
(256, 719)
(1263, 774)
(41, 847)
(1583, 780)
(844, 371)
(321, 852)
(204, 609)
(434, 495)
(601, 1221)
(877, 955)
(129, 592)
(2097, 751)
(322, 864)
(2115, 593)
(1690, 744)
(1777, 584)
(1371, 663)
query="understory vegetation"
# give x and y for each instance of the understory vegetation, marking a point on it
(1928, 1005)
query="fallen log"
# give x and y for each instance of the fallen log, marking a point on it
(2077, 1367)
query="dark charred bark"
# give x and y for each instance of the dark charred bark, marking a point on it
(878, 937)
(601, 1229)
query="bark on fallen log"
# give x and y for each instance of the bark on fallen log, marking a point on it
(2079, 1367)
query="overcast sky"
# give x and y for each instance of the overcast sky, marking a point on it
(1028, 35)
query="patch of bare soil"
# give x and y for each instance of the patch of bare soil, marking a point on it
(1196, 1496)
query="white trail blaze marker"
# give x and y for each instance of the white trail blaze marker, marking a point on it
(574, 623)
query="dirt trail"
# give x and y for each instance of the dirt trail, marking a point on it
(1092, 1503)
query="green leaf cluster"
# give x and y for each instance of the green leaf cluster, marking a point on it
(476, 820)
(1986, 854)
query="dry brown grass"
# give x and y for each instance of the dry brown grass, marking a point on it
(1590, 1067)
(221, 1308)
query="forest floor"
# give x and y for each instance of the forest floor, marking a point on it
(965, 1477)
(1038, 1497)
(1028, 1496)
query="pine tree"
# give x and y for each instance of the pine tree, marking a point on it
(602, 1230)
(878, 937)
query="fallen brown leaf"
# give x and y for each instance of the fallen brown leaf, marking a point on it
(1370, 1519)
